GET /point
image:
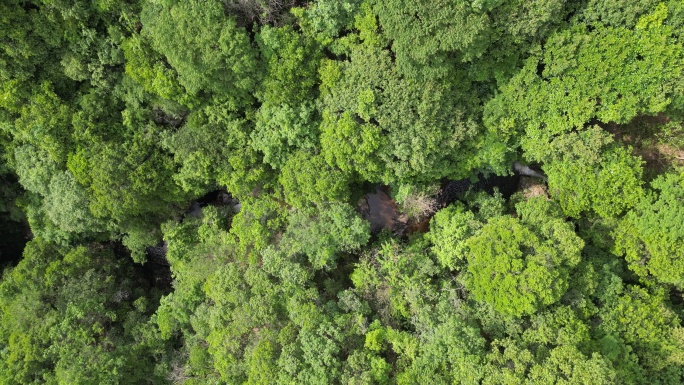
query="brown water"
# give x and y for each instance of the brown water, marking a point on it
(422, 226)
(381, 210)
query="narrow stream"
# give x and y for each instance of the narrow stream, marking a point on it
(382, 211)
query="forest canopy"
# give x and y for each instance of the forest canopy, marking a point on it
(341, 192)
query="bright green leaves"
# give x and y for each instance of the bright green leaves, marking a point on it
(190, 257)
(282, 129)
(564, 365)
(292, 66)
(609, 74)
(208, 50)
(35, 168)
(449, 229)
(44, 121)
(389, 127)
(237, 313)
(211, 146)
(130, 181)
(309, 179)
(261, 367)
(115, 115)
(609, 183)
(57, 205)
(325, 20)
(595, 74)
(488, 38)
(521, 265)
(71, 315)
(641, 319)
(517, 265)
(365, 368)
(393, 276)
(553, 348)
(287, 119)
(651, 235)
(67, 205)
(220, 298)
(366, 109)
(421, 30)
(411, 96)
(501, 272)
(146, 67)
(352, 146)
(241, 301)
(324, 233)
(256, 224)
(23, 48)
(606, 75)
(609, 13)
(452, 352)
(520, 22)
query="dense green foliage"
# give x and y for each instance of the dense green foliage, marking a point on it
(121, 121)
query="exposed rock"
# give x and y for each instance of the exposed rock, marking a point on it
(532, 187)
(526, 170)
